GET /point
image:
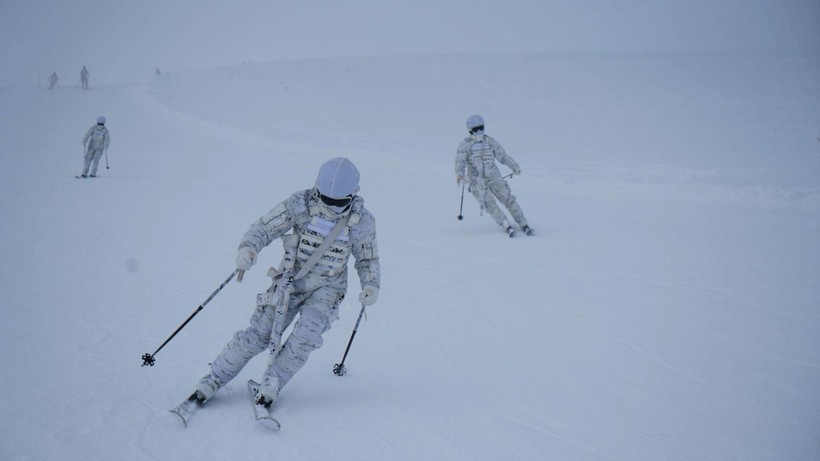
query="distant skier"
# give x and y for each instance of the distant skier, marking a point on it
(84, 78)
(307, 283)
(477, 154)
(52, 80)
(157, 72)
(95, 142)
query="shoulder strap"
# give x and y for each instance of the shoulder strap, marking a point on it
(317, 255)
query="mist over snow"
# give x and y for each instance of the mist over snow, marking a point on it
(666, 309)
(126, 41)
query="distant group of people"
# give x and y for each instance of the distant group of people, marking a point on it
(54, 78)
(97, 138)
(84, 74)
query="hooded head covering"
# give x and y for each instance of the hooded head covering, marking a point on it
(338, 178)
(101, 120)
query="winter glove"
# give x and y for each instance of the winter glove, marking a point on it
(245, 258)
(459, 179)
(517, 170)
(369, 295)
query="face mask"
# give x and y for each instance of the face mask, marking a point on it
(337, 209)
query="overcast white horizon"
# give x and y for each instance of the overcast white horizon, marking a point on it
(126, 41)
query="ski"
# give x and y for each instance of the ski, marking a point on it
(186, 409)
(79, 177)
(261, 412)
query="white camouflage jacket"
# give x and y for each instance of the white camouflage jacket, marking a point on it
(477, 154)
(99, 137)
(312, 221)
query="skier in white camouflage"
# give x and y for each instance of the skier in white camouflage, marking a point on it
(331, 207)
(95, 142)
(476, 167)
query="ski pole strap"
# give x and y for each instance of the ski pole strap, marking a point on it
(317, 255)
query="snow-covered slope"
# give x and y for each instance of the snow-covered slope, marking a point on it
(666, 309)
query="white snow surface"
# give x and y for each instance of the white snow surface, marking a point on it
(667, 308)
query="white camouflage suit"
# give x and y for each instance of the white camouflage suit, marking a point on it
(95, 141)
(477, 154)
(317, 295)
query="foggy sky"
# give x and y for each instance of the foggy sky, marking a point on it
(125, 41)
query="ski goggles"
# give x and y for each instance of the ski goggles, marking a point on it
(338, 202)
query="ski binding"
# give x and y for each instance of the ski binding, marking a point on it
(261, 412)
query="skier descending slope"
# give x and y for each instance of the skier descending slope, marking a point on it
(477, 154)
(329, 223)
(95, 142)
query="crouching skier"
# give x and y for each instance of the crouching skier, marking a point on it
(329, 223)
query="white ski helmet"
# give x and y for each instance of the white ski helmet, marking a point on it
(338, 178)
(474, 121)
(101, 120)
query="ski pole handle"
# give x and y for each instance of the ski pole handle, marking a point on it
(239, 274)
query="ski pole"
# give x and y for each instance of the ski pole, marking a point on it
(148, 359)
(491, 181)
(106, 159)
(339, 369)
(461, 207)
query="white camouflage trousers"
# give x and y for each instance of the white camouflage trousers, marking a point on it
(487, 193)
(317, 311)
(92, 160)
